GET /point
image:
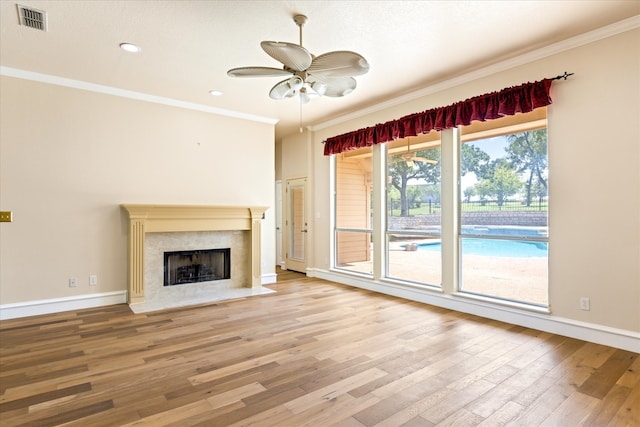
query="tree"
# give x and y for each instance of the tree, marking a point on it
(503, 183)
(474, 159)
(527, 153)
(415, 193)
(469, 192)
(431, 192)
(539, 191)
(393, 199)
(400, 173)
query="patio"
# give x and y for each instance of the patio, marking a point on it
(517, 279)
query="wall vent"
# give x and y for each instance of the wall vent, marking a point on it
(32, 18)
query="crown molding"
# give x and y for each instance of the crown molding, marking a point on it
(544, 52)
(139, 96)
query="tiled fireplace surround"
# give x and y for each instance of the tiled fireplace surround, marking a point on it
(155, 229)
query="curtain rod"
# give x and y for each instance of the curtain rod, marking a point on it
(563, 76)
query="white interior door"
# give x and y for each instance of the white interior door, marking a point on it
(279, 257)
(296, 225)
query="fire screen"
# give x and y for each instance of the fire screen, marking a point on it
(182, 267)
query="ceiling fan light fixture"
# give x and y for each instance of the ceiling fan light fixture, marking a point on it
(286, 88)
(319, 88)
(295, 83)
(304, 95)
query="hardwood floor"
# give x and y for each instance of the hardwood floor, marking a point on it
(314, 353)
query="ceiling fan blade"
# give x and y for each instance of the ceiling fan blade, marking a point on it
(341, 63)
(257, 72)
(286, 88)
(334, 87)
(408, 160)
(423, 160)
(291, 55)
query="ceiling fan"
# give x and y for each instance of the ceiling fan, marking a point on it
(410, 158)
(330, 74)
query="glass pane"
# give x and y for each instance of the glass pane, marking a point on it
(413, 212)
(504, 184)
(353, 190)
(503, 193)
(415, 259)
(353, 251)
(298, 227)
(515, 270)
(353, 211)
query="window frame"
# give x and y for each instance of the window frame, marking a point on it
(478, 131)
(450, 141)
(425, 142)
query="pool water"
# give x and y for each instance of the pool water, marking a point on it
(496, 248)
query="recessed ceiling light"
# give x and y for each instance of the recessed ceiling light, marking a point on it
(129, 47)
(215, 92)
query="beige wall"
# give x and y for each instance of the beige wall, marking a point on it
(594, 158)
(294, 162)
(70, 157)
(295, 152)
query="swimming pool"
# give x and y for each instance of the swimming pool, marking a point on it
(496, 248)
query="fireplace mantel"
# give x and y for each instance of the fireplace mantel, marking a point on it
(178, 218)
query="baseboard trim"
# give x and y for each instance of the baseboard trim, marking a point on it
(269, 278)
(56, 305)
(599, 334)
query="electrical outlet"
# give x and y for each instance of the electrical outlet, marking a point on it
(73, 282)
(585, 303)
(93, 280)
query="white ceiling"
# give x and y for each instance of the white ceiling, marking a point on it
(188, 46)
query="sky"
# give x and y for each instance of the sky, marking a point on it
(492, 146)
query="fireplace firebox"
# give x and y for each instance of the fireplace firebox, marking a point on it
(204, 265)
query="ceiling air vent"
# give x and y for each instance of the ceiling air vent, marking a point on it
(32, 18)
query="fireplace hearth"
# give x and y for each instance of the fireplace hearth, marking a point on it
(183, 267)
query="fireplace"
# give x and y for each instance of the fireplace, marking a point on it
(183, 267)
(156, 229)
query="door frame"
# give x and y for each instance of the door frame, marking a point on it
(279, 224)
(299, 265)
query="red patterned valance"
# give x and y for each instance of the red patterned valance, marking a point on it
(490, 106)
